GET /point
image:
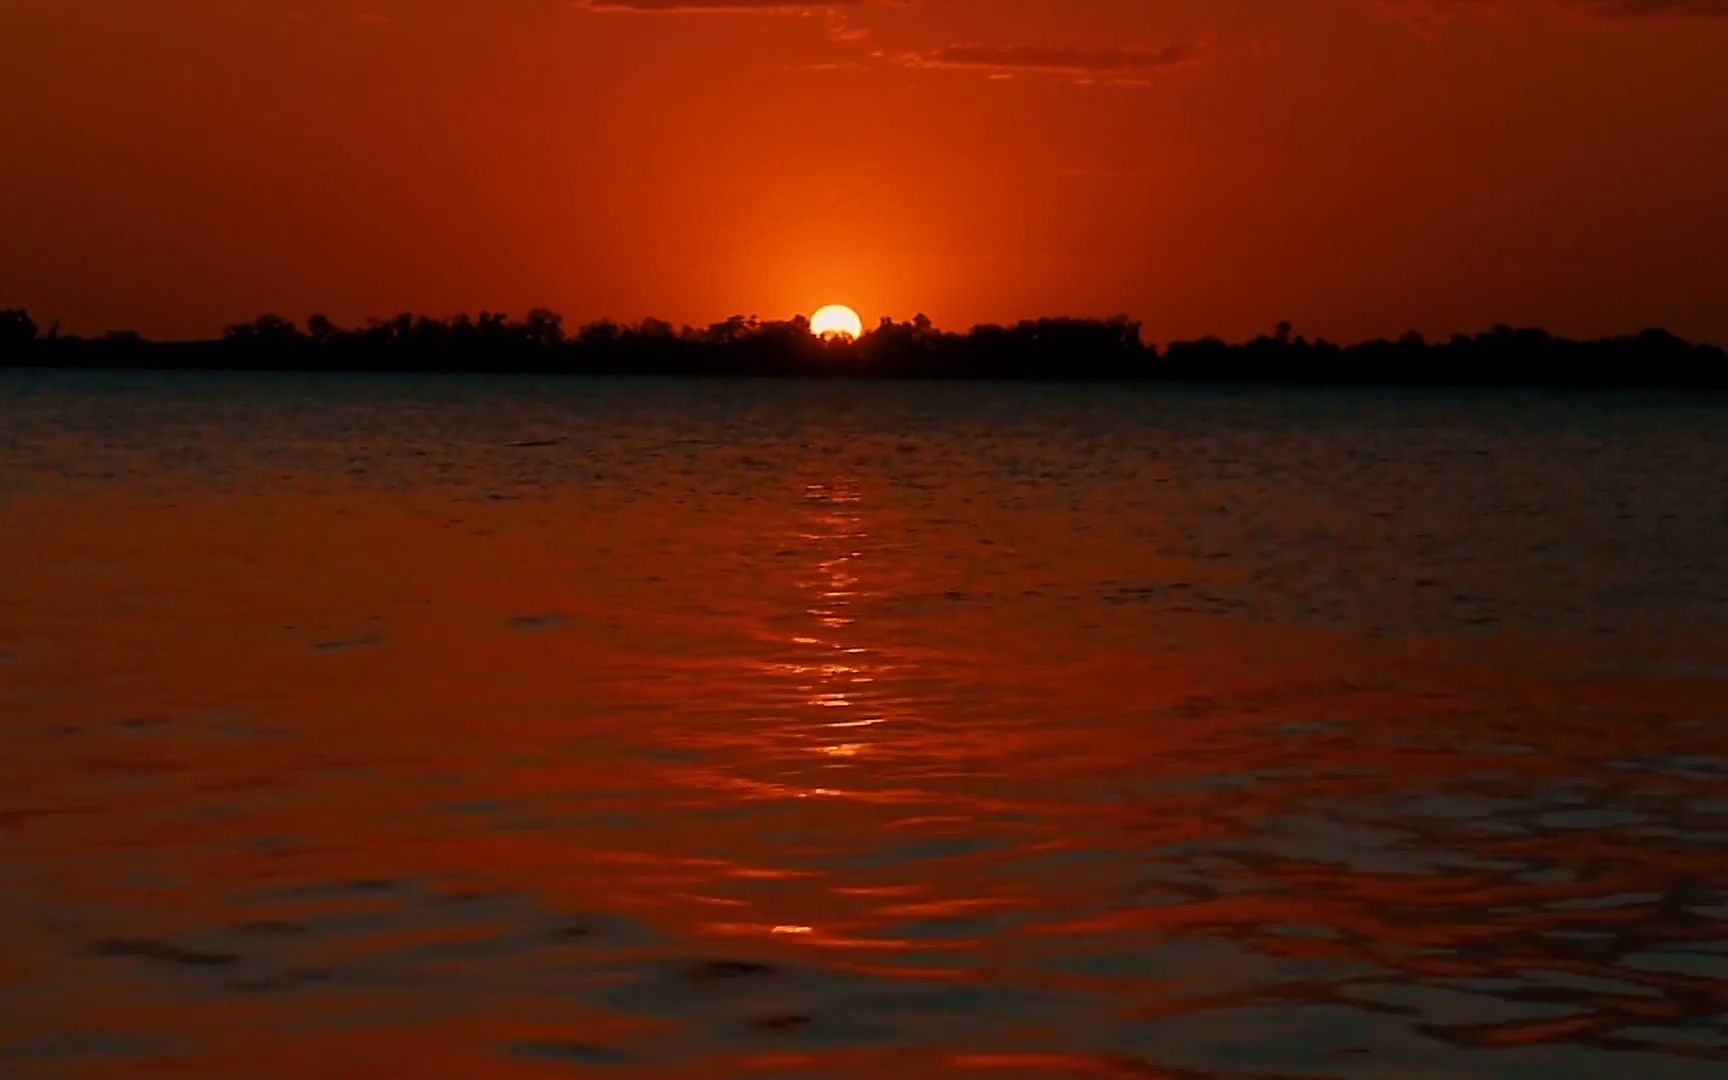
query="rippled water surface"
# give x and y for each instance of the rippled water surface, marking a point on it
(485, 728)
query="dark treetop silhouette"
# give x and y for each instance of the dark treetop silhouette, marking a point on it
(1039, 349)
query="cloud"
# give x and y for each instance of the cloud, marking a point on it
(718, 7)
(1644, 9)
(1431, 12)
(1127, 63)
(841, 30)
(837, 14)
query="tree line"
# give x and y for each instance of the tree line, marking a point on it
(1052, 348)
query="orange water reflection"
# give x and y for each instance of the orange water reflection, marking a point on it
(828, 771)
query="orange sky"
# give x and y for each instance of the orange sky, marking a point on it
(1355, 166)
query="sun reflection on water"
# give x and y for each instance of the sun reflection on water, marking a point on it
(833, 532)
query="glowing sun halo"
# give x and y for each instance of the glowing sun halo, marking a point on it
(837, 320)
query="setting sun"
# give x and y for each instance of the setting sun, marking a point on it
(837, 320)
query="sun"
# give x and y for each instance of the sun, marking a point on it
(837, 320)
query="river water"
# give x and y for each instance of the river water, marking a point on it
(357, 726)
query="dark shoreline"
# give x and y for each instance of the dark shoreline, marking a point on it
(1045, 350)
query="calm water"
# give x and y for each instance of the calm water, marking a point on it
(506, 728)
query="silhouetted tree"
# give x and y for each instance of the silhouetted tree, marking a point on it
(264, 330)
(545, 328)
(321, 331)
(17, 330)
(729, 331)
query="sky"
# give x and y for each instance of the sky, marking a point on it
(1357, 167)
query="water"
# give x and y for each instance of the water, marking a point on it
(491, 728)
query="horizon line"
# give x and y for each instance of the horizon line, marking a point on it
(1283, 331)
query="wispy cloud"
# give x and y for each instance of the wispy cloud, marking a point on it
(1432, 12)
(1126, 63)
(1646, 9)
(836, 12)
(719, 7)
